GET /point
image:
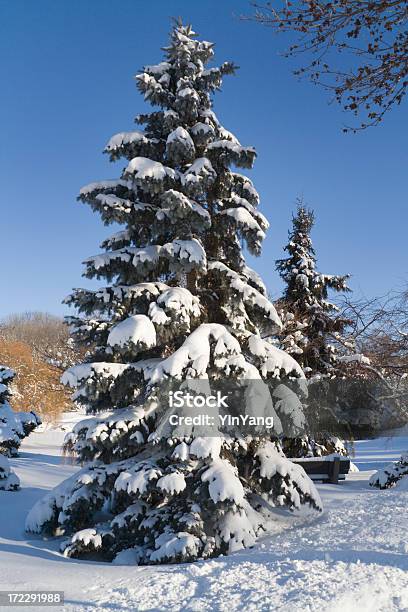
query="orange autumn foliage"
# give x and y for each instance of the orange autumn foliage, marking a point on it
(37, 384)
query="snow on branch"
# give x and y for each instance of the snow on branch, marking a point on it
(254, 279)
(232, 153)
(239, 202)
(134, 333)
(176, 308)
(180, 146)
(275, 465)
(244, 188)
(151, 176)
(133, 144)
(251, 297)
(176, 206)
(199, 176)
(355, 358)
(247, 226)
(209, 344)
(180, 255)
(77, 375)
(272, 360)
(223, 482)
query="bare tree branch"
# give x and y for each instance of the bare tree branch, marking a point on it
(369, 36)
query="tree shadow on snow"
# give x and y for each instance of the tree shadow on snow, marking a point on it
(27, 459)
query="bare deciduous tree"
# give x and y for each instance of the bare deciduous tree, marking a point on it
(37, 345)
(46, 334)
(380, 331)
(37, 385)
(357, 49)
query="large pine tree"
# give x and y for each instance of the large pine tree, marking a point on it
(312, 326)
(182, 304)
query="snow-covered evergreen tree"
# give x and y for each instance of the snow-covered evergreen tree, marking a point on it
(312, 324)
(181, 304)
(313, 331)
(14, 426)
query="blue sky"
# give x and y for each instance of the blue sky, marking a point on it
(66, 72)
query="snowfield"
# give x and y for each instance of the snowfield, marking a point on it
(353, 557)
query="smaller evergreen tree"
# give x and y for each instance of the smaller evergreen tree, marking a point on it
(313, 329)
(14, 426)
(313, 323)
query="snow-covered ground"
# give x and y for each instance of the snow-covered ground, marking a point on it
(353, 557)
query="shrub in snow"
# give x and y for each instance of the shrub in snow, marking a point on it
(181, 305)
(390, 475)
(8, 480)
(14, 426)
(306, 446)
